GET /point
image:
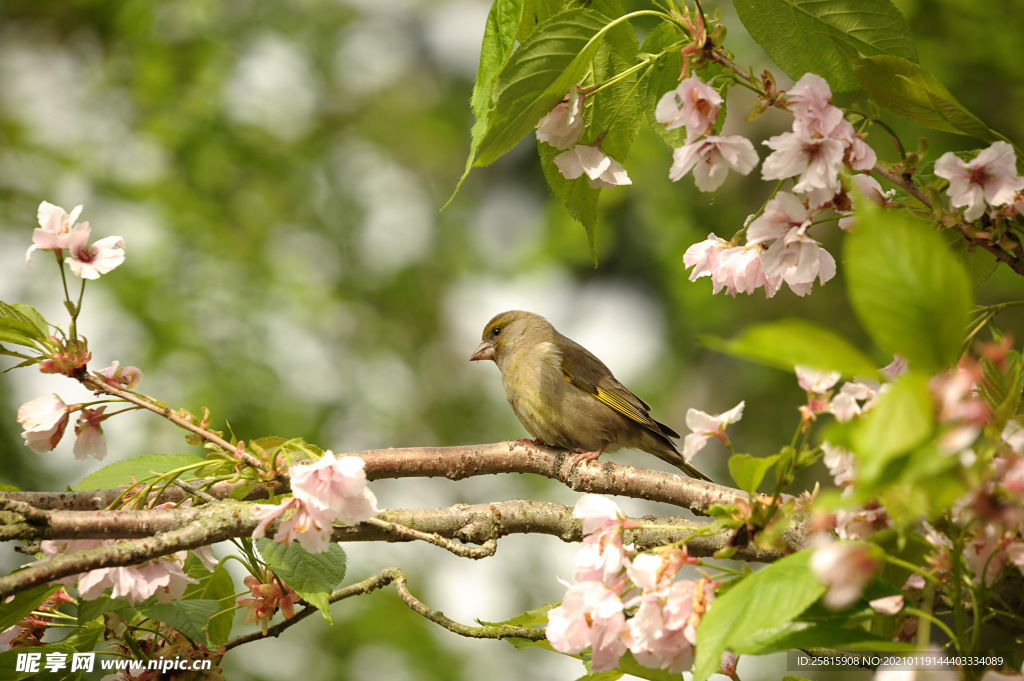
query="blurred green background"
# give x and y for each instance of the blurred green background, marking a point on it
(276, 169)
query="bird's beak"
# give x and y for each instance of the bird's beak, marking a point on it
(483, 351)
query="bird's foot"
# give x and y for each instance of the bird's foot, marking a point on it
(583, 455)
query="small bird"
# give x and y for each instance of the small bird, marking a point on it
(566, 397)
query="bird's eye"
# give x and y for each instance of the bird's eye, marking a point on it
(496, 332)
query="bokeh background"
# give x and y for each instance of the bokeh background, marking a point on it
(277, 169)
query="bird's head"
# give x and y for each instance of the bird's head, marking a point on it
(511, 330)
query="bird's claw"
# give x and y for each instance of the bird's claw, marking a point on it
(583, 455)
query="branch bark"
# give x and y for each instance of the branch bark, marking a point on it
(173, 530)
(464, 461)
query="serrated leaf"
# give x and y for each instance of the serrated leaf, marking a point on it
(311, 576)
(1001, 385)
(804, 635)
(503, 22)
(754, 608)
(122, 472)
(907, 90)
(791, 342)
(748, 471)
(530, 618)
(24, 319)
(24, 603)
(538, 75)
(535, 13)
(90, 610)
(661, 77)
(902, 419)
(85, 638)
(799, 35)
(188, 617)
(907, 287)
(215, 586)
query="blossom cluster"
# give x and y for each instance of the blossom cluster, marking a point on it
(267, 597)
(44, 419)
(58, 232)
(989, 180)
(611, 580)
(562, 128)
(331, 489)
(779, 248)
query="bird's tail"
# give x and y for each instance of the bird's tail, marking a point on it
(665, 449)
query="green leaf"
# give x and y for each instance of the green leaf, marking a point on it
(499, 38)
(24, 603)
(629, 665)
(804, 635)
(1001, 387)
(9, 660)
(90, 610)
(85, 638)
(578, 197)
(215, 586)
(979, 263)
(123, 472)
(535, 13)
(909, 91)
(907, 287)
(530, 618)
(754, 609)
(902, 420)
(790, 342)
(23, 320)
(748, 471)
(613, 675)
(662, 76)
(801, 35)
(311, 576)
(188, 617)
(538, 75)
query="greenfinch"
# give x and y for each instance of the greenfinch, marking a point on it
(566, 397)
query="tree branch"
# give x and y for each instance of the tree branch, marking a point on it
(397, 577)
(176, 530)
(907, 185)
(464, 461)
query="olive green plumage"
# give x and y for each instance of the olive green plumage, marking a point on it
(565, 396)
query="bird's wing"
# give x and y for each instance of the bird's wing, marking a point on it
(589, 374)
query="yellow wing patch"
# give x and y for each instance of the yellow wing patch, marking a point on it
(615, 401)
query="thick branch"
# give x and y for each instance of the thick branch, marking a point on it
(907, 185)
(457, 463)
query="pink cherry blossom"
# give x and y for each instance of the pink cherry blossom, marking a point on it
(846, 568)
(663, 632)
(711, 158)
(705, 426)
(736, 269)
(563, 125)
(598, 513)
(309, 525)
(43, 421)
(693, 104)
(793, 255)
(54, 225)
(869, 189)
(896, 368)
(858, 155)
(861, 523)
(810, 100)
(984, 555)
(90, 261)
(815, 380)
(1013, 435)
(590, 616)
(89, 435)
(841, 464)
(335, 487)
(889, 605)
(646, 571)
(116, 376)
(601, 558)
(991, 178)
(846, 405)
(602, 171)
(817, 160)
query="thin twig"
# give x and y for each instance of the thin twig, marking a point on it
(31, 514)
(168, 413)
(208, 498)
(485, 551)
(907, 185)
